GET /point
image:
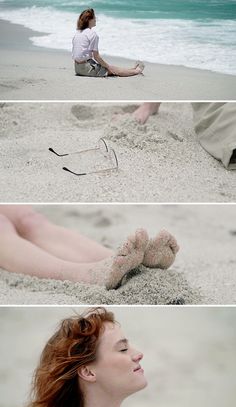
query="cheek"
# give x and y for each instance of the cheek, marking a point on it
(117, 364)
(117, 374)
(123, 365)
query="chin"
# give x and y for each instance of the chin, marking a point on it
(138, 384)
(142, 384)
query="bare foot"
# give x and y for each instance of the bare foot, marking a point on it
(143, 112)
(128, 257)
(161, 251)
(140, 65)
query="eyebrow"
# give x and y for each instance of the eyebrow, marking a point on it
(122, 342)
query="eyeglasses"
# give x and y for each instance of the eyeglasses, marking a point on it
(103, 148)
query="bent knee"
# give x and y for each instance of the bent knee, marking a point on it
(30, 223)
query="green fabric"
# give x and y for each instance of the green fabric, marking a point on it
(215, 126)
(90, 69)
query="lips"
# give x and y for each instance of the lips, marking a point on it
(138, 369)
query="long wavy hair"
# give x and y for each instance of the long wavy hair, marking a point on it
(84, 18)
(74, 344)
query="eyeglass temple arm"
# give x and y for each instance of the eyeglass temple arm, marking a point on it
(59, 155)
(74, 152)
(95, 172)
(87, 173)
(75, 173)
(81, 151)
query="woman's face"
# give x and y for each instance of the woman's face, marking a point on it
(92, 23)
(117, 367)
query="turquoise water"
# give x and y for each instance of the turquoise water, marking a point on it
(192, 33)
(170, 9)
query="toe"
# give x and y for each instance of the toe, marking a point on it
(141, 239)
(173, 245)
(162, 239)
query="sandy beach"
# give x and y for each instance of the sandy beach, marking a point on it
(203, 273)
(111, 176)
(189, 354)
(28, 72)
(161, 161)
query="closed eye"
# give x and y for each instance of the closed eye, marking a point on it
(124, 350)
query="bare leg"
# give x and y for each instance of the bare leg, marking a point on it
(115, 70)
(63, 243)
(21, 256)
(145, 110)
(161, 251)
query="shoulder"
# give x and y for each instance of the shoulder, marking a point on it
(92, 34)
(77, 34)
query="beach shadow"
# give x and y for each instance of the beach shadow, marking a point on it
(129, 108)
(97, 218)
(4, 87)
(82, 112)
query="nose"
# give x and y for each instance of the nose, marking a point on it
(137, 356)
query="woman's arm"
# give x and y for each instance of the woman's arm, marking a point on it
(99, 59)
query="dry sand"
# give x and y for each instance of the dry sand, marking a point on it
(33, 73)
(203, 273)
(189, 354)
(161, 161)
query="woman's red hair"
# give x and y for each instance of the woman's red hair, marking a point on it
(84, 18)
(74, 344)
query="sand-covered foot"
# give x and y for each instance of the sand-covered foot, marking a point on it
(161, 251)
(129, 256)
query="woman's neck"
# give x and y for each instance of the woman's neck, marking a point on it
(100, 400)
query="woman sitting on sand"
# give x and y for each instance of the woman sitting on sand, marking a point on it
(88, 61)
(30, 244)
(88, 362)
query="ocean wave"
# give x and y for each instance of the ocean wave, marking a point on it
(198, 44)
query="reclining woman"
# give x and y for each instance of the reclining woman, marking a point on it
(88, 61)
(31, 244)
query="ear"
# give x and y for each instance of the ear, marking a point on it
(87, 373)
